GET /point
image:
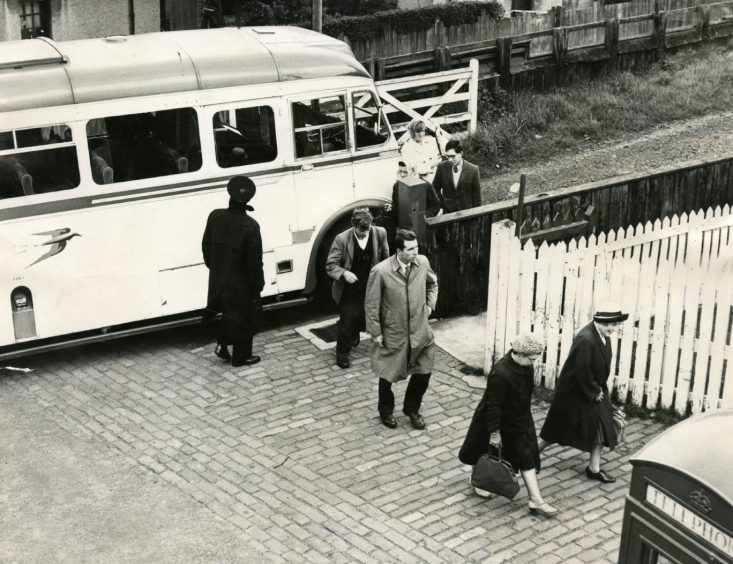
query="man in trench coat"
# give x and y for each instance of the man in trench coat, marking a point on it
(581, 414)
(401, 294)
(353, 254)
(232, 249)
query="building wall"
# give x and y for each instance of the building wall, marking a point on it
(82, 19)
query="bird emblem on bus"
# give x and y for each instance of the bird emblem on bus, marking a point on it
(57, 243)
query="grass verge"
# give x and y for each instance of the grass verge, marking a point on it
(524, 126)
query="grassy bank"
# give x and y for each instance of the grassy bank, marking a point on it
(526, 126)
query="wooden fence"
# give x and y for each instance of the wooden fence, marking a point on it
(533, 46)
(459, 244)
(674, 278)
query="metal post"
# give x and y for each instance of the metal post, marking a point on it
(520, 204)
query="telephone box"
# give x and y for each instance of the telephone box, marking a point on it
(679, 508)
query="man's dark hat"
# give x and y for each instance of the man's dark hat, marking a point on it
(241, 189)
(609, 313)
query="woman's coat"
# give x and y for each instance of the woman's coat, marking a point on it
(506, 406)
(396, 308)
(575, 414)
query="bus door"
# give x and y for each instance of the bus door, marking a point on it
(375, 150)
(248, 140)
(324, 181)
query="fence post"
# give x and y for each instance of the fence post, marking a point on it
(473, 94)
(504, 61)
(660, 31)
(559, 45)
(612, 37)
(380, 69)
(502, 235)
(703, 21)
(441, 59)
(559, 13)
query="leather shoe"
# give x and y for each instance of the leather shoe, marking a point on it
(343, 361)
(544, 509)
(416, 419)
(222, 352)
(246, 361)
(601, 476)
(389, 421)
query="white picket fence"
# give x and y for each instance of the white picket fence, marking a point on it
(674, 277)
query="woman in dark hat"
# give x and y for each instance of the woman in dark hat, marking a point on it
(581, 415)
(232, 248)
(503, 419)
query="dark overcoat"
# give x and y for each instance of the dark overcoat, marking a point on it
(232, 249)
(467, 194)
(574, 415)
(396, 308)
(341, 256)
(506, 406)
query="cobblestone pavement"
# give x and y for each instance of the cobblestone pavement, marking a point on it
(290, 455)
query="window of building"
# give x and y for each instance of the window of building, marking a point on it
(370, 125)
(245, 136)
(319, 126)
(147, 145)
(35, 19)
(37, 161)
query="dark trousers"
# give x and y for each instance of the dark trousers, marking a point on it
(416, 388)
(351, 322)
(241, 348)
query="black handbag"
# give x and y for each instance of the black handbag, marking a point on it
(496, 475)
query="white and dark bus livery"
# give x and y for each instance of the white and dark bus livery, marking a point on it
(113, 152)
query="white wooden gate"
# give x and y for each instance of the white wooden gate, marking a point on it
(461, 79)
(675, 278)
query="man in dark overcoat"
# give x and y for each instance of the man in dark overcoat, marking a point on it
(232, 249)
(457, 182)
(401, 295)
(581, 414)
(353, 254)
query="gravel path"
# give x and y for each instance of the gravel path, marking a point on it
(707, 137)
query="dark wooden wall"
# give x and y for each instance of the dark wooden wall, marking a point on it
(459, 244)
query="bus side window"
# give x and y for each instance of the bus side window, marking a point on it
(245, 136)
(369, 120)
(319, 126)
(37, 161)
(146, 145)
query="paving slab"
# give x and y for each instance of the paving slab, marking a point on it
(151, 449)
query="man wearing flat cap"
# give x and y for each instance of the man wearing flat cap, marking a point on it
(581, 414)
(232, 249)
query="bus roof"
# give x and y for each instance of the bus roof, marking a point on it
(39, 73)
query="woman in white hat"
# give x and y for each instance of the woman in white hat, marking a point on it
(503, 419)
(581, 415)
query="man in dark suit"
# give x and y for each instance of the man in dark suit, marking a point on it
(353, 254)
(232, 249)
(457, 181)
(581, 415)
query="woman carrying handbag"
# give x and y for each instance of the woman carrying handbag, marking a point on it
(503, 419)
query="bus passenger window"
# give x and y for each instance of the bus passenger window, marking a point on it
(245, 136)
(319, 126)
(370, 123)
(147, 145)
(37, 161)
